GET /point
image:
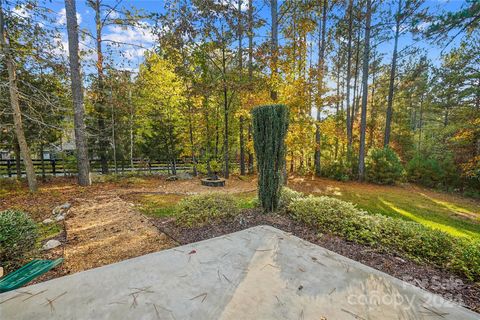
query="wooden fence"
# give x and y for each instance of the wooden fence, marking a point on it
(60, 167)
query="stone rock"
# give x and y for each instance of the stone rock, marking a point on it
(400, 259)
(47, 221)
(66, 206)
(184, 176)
(59, 218)
(61, 209)
(50, 244)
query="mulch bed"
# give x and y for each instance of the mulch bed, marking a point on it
(451, 286)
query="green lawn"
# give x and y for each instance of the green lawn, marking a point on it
(453, 214)
(158, 205)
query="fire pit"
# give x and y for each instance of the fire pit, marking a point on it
(213, 182)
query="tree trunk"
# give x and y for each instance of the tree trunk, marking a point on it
(420, 124)
(355, 86)
(292, 163)
(242, 147)
(171, 142)
(18, 165)
(83, 164)
(131, 121)
(15, 104)
(274, 48)
(477, 100)
(217, 131)
(42, 162)
(114, 138)
(445, 118)
(321, 70)
(250, 154)
(225, 109)
(250, 77)
(363, 122)
(192, 140)
(349, 72)
(99, 105)
(240, 36)
(373, 111)
(208, 147)
(240, 72)
(337, 110)
(393, 69)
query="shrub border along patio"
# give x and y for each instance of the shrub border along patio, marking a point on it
(409, 239)
(330, 215)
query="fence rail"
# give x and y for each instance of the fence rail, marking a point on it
(60, 167)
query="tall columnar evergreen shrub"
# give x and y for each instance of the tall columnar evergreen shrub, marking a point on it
(270, 124)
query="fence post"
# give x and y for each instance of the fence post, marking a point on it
(9, 168)
(54, 171)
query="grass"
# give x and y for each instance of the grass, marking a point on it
(159, 206)
(47, 231)
(453, 214)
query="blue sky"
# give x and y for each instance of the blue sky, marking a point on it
(142, 38)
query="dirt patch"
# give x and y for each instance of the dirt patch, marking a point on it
(446, 284)
(57, 191)
(193, 186)
(107, 229)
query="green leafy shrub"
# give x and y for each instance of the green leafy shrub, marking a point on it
(424, 170)
(472, 193)
(450, 172)
(202, 168)
(215, 166)
(246, 201)
(304, 171)
(201, 209)
(287, 195)
(432, 171)
(18, 235)
(337, 170)
(407, 238)
(383, 166)
(69, 162)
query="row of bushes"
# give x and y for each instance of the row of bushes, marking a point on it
(202, 209)
(409, 239)
(383, 166)
(330, 215)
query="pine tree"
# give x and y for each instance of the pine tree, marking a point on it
(83, 164)
(15, 104)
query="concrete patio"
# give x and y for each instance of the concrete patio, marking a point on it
(258, 273)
